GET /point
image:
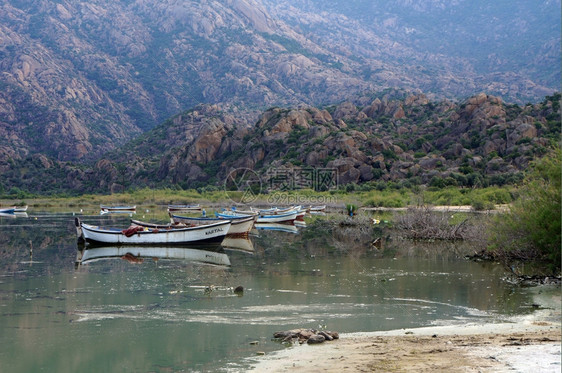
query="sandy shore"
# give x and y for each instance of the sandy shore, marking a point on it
(524, 344)
(463, 208)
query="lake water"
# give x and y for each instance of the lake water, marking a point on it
(177, 315)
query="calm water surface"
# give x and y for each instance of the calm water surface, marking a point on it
(177, 315)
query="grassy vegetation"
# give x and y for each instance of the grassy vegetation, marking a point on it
(531, 229)
(478, 198)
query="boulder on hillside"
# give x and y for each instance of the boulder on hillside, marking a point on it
(431, 163)
(345, 110)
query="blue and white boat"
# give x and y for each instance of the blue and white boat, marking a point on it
(263, 218)
(239, 225)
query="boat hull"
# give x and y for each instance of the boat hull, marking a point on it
(207, 234)
(280, 218)
(174, 208)
(117, 209)
(238, 226)
(283, 218)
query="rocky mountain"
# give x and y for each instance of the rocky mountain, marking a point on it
(79, 79)
(395, 136)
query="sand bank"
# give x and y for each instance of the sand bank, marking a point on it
(529, 343)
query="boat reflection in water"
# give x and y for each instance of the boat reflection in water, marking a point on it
(238, 243)
(289, 228)
(137, 254)
(300, 223)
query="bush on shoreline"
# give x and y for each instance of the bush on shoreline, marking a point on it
(531, 228)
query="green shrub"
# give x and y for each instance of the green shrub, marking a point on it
(531, 229)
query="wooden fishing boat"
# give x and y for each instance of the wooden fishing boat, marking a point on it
(317, 209)
(275, 218)
(239, 225)
(285, 210)
(136, 235)
(105, 209)
(137, 254)
(280, 211)
(278, 218)
(177, 208)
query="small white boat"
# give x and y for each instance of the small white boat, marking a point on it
(277, 210)
(275, 218)
(137, 254)
(175, 208)
(20, 208)
(317, 209)
(105, 209)
(239, 225)
(283, 211)
(278, 218)
(135, 235)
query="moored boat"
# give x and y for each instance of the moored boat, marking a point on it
(7, 210)
(176, 208)
(278, 218)
(275, 218)
(20, 208)
(136, 235)
(278, 210)
(301, 212)
(117, 209)
(239, 224)
(317, 209)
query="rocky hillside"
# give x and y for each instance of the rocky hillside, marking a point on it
(396, 137)
(81, 78)
(393, 137)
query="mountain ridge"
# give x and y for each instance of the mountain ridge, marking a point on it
(80, 79)
(393, 137)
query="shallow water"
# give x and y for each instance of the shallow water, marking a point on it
(182, 315)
